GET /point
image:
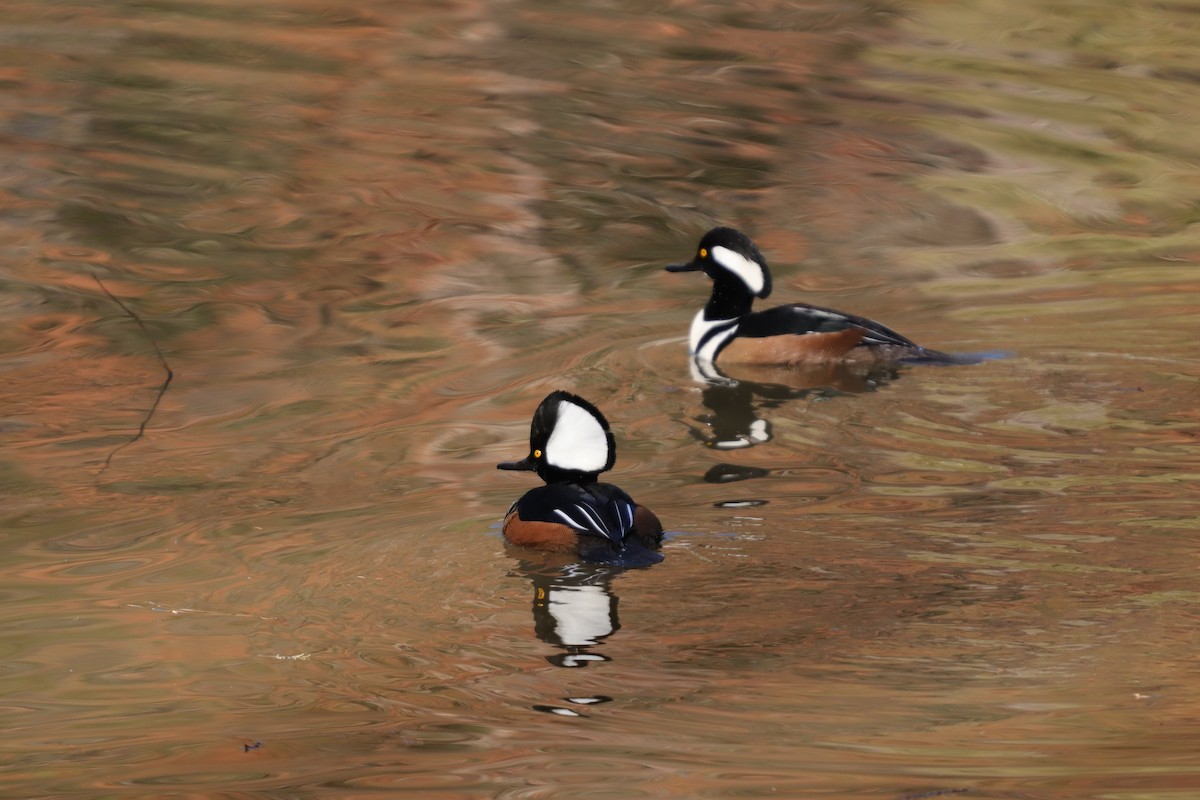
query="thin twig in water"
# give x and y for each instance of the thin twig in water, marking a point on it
(141, 431)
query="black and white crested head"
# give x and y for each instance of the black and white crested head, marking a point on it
(725, 254)
(733, 252)
(569, 440)
(580, 440)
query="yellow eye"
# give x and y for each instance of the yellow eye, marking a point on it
(537, 453)
(703, 253)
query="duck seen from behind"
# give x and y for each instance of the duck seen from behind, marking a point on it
(570, 444)
(788, 335)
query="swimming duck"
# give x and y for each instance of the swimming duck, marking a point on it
(789, 335)
(570, 444)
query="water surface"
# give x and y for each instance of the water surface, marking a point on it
(368, 241)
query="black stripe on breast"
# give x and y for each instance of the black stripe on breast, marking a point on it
(715, 332)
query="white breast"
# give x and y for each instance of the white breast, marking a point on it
(709, 335)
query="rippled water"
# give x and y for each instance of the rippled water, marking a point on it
(367, 242)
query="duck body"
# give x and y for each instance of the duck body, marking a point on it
(800, 334)
(599, 521)
(570, 445)
(789, 335)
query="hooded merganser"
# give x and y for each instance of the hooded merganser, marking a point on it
(784, 335)
(570, 444)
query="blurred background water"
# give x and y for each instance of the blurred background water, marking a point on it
(367, 240)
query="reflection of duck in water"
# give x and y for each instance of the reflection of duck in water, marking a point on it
(570, 444)
(789, 335)
(737, 408)
(735, 405)
(574, 610)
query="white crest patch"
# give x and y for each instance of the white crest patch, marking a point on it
(751, 272)
(578, 441)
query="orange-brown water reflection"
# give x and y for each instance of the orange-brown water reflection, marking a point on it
(368, 241)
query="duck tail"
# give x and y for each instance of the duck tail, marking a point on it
(936, 358)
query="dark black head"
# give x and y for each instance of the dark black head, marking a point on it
(569, 440)
(727, 255)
